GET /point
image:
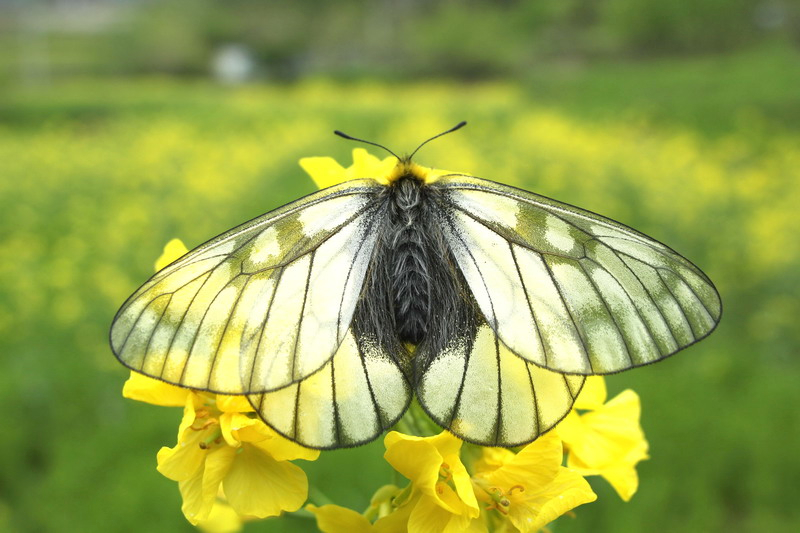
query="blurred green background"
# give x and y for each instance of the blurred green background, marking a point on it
(126, 123)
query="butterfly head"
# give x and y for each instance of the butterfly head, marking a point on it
(405, 167)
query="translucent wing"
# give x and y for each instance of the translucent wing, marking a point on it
(569, 290)
(357, 395)
(486, 394)
(259, 307)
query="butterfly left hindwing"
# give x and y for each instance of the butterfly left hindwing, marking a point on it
(354, 398)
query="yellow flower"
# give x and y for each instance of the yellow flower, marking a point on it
(221, 443)
(326, 172)
(607, 439)
(529, 489)
(445, 500)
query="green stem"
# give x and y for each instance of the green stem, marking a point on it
(317, 497)
(301, 514)
(403, 426)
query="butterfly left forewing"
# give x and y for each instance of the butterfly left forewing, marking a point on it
(259, 307)
(570, 290)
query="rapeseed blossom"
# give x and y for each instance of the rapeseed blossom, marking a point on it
(605, 438)
(445, 499)
(531, 488)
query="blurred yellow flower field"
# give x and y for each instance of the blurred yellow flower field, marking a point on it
(94, 181)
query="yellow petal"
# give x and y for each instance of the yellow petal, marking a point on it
(258, 485)
(463, 485)
(535, 510)
(173, 250)
(221, 519)
(187, 456)
(608, 435)
(182, 461)
(233, 404)
(624, 479)
(335, 519)
(445, 442)
(397, 520)
(232, 424)
(366, 165)
(325, 171)
(608, 441)
(536, 465)
(428, 517)
(492, 458)
(593, 394)
(146, 389)
(419, 458)
(280, 448)
(200, 491)
(622, 476)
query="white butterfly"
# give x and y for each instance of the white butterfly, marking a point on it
(488, 302)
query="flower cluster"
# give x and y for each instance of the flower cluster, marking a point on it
(458, 487)
(230, 466)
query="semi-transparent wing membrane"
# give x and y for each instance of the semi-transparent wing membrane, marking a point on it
(567, 289)
(356, 396)
(484, 393)
(259, 307)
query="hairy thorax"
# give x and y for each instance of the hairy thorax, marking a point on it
(414, 294)
(409, 248)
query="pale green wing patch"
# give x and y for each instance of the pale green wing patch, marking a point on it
(356, 396)
(569, 290)
(486, 394)
(259, 307)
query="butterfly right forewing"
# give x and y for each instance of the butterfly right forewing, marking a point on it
(570, 290)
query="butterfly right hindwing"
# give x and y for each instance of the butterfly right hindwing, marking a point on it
(486, 394)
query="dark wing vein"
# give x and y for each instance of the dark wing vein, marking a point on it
(677, 302)
(200, 324)
(608, 310)
(301, 316)
(633, 304)
(528, 300)
(578, 330)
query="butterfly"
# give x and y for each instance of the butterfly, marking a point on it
(488, 303)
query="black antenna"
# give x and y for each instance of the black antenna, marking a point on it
(451, 130)
(351, 138)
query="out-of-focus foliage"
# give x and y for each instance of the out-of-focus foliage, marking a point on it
(97, 177)
(400, 38)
